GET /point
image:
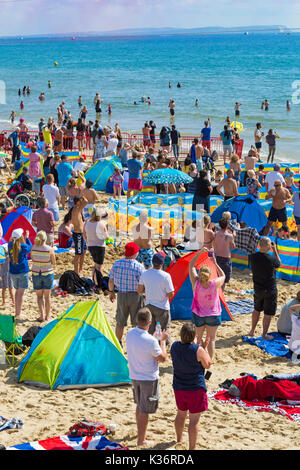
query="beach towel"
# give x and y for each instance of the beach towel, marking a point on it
(292, 412)
(68, 442)
(242, 306)
(277, 347)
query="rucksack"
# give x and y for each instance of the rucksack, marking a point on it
(14, 190)
(88, 428)
(72, 283)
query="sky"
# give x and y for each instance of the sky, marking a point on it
(25, 17)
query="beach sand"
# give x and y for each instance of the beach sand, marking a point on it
(51, 413)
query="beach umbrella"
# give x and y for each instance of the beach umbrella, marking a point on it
(167, 176)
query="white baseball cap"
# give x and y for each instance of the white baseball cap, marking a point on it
(17, 233)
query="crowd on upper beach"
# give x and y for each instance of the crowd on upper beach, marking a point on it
(139, 281)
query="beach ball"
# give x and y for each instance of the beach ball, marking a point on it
(56, 64)
(109, 241)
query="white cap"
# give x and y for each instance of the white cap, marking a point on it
(17, 233)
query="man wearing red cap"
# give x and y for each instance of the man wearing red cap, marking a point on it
(124, 276)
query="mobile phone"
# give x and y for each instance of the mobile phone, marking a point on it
(208, 375)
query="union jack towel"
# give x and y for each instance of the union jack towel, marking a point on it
(70, 443)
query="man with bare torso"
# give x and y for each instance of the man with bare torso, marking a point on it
(229, 185)
(142, 234)
(91, 196)
(250, 160)
(281, 197)
(78, 222)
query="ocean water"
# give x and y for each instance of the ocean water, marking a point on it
(217, 69)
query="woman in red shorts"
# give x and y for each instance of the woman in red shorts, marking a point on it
(189, 364)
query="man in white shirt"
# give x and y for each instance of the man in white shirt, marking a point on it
(158, 288)
(80, 166)
(51, 193)
(258, 135)
(272, 176)
(144, 353)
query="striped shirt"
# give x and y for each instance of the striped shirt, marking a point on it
(126, 274)
(41, 260)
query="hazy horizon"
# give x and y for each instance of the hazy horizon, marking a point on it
(32, 17)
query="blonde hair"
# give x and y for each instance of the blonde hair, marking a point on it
(16, 248)
(41, 238)
(206, 220)
(204, 274)
(251, 173)
(95, 215)
(226, 215)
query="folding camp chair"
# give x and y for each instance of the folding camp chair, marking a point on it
(14, 350)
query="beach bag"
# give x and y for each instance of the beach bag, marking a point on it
(72, 283)
(30, 334)
(88, 428)
(14, 190)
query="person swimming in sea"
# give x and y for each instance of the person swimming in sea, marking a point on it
(196, 102)
(288, 105)
(178, 85)
(49, 84)
(267, 104)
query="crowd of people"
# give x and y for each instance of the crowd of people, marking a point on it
(139, 282)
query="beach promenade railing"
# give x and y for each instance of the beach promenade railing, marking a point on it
(84, 142)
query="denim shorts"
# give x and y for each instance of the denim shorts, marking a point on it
(41, 282)
(214, 320)
(55, 213)
(20, 281)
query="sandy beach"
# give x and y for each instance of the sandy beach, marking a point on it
(51, 413)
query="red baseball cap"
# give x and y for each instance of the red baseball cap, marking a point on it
(131, 249)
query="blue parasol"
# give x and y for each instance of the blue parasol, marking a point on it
(167, 176)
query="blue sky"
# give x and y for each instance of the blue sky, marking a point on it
(21, 17)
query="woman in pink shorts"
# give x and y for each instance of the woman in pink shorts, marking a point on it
(189, 363)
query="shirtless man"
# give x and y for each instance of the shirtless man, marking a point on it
(172, 107)
(91, 196)
(230, 186)
(78, 222)
(142, 234)
(199, 152)
(281, 197)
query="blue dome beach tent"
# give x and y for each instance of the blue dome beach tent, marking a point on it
(181, 303)
(101, 171)
(242, 208)
(77, 350)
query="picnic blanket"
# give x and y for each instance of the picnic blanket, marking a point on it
(59, 250)
(242, 306)
(69, 442)
(277, 347)
(292, 412)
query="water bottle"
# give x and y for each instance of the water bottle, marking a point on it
(157, 333)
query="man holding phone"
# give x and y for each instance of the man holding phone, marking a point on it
(264, 267)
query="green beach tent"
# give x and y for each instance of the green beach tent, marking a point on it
(77, 350)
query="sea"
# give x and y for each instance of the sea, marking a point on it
(218, 69)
